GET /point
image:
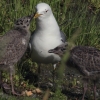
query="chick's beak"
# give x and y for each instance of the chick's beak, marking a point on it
(51, 51)
(37, 15)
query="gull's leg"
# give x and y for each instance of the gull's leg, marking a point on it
(39, 71)
(54, 67)
(12, 72)
(94, 88)
(84, 89)
(0, 78)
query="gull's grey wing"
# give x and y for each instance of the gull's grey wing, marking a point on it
(63, 36)
(30, 44)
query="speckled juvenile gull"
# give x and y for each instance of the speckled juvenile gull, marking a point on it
(14, 44)
(85, 60)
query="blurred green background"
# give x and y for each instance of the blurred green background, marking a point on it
(71, 15)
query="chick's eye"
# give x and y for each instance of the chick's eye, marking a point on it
(62, 49)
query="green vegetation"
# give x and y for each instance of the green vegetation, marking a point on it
(72, 15)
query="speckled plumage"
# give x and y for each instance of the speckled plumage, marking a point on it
(84, 59)
(87, 59)
(14, 45)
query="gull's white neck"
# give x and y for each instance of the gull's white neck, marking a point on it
(47, 24)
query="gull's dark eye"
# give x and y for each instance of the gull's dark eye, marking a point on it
(46, 11)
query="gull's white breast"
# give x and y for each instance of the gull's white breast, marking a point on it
(40, 46)
(46, 36)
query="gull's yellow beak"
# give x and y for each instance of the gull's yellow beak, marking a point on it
(37, 15)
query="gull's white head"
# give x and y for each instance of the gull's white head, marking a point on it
(43, 10)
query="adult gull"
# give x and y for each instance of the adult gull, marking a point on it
(46, 36)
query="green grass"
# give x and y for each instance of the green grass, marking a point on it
(77, 15)
(71, 15)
